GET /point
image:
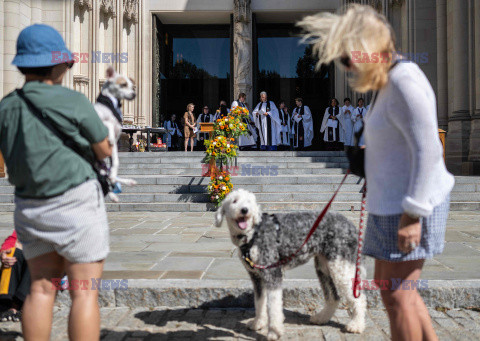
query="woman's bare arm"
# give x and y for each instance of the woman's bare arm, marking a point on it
(102, 149)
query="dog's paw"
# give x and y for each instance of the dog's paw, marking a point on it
(257, 324)
(113, 197)
(320, 318)
(130, 182)
(273, 335)
(355, 327)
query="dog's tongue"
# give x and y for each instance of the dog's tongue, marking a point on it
(242, 224)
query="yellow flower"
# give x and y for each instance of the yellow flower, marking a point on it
(228, 150)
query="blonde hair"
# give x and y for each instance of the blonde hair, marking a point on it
(190, 105)
(360, 29)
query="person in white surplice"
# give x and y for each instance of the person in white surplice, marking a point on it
(347, 113)
(285, 122)
(357, 119)
(331, 126)
(250, 140)
(268, 123)
(302, 125)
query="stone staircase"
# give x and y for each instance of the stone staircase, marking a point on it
(282, 181)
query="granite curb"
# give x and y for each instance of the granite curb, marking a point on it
(298, 294)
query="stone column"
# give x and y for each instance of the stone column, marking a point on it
(474, 154)
(459, 119)
(442, 67)
(12, 27)
(242, 50)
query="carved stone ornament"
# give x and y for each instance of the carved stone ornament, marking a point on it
(242, 11)
(84, 4)
(398, 3)
(108, 7)
(130, 10)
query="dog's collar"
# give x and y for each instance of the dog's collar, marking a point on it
(245, 249)
(108, 103)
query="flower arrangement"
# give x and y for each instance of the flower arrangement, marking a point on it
(222, 146)
(219, 186)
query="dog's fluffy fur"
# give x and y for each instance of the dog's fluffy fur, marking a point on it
(119, 87)
(271, 237)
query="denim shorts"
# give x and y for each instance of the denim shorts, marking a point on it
(381, 236)
(73, 224)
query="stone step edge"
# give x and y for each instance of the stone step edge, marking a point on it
(305, 294)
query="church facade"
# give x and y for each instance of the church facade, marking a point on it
(204, 51)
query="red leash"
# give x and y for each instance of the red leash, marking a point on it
(357, 280)
(288, 259)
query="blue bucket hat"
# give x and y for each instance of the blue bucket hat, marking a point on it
(41, 45)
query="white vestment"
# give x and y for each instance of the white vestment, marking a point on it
(358, 122)
(307, 122)
(285, 122)
(347, 113)
(171, 127)
(330, 127)
(261, 121)
(251, 138)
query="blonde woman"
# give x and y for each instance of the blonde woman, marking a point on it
(408, 184)
(189, 121)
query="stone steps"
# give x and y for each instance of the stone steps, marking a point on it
(301, 181)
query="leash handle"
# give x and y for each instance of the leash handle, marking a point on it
(286, 260)
(357, 280)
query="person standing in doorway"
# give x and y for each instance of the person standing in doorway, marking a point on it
(268, 123)
(189, 126)
(347, 112)
(302, 125)
(357, 119)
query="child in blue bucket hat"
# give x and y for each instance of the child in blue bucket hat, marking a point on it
(60, 216)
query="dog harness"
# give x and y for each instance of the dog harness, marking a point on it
(245, 248)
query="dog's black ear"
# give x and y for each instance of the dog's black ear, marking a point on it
(219, 216)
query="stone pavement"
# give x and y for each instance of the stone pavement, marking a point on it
(126, 324)
(186, 245)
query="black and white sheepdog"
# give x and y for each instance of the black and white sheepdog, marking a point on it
(267, 238)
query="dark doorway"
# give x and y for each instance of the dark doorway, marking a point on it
(195, 67)
(285, 69)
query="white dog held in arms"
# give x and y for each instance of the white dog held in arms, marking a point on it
(265, 239)
(116, 88)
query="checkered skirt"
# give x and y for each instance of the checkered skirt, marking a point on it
(381, 236)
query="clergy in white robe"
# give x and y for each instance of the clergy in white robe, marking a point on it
(331, 125)
(249, 140)
(268, 123)
(285, 122)
(173, 134)
(357, 119)
(302, 125)
(347, 113)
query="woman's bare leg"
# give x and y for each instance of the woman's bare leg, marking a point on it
(186, 143)
(408, 315)
(84, 319)
(38, 306)
(191, 144)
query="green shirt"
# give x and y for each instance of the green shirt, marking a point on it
(39, 164)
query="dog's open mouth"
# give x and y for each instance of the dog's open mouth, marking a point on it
(242, 223)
